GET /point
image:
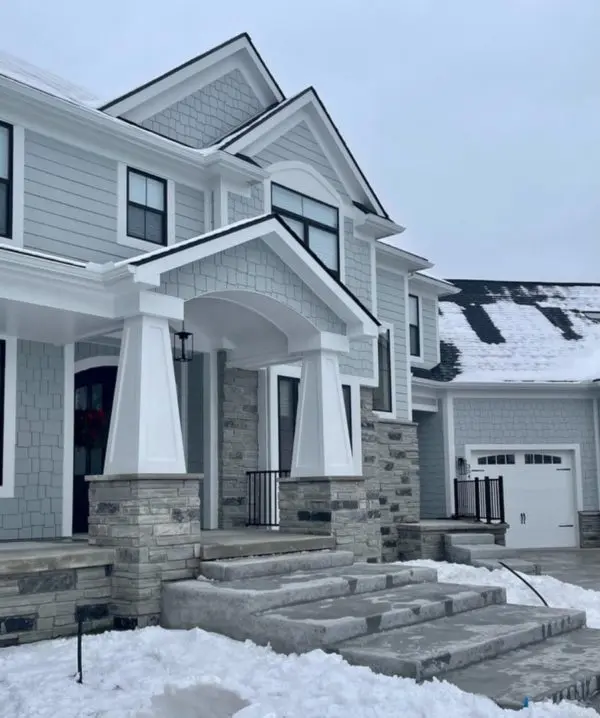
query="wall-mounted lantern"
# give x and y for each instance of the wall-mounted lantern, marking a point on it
(183, 345)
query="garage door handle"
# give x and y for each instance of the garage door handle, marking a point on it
(566, 526)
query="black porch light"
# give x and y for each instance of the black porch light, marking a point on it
(183, 345)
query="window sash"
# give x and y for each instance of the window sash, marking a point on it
(6, 159)
(144, 192)
(382, 395)
(2, 390)
(414, 326)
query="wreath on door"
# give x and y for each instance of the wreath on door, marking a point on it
(91, 428)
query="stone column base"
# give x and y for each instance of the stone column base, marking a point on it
(153, 523)
(589, 529)
(332, 506)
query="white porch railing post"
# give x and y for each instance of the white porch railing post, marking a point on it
(145, 431)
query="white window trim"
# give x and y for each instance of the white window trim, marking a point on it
(387, 414)
(420, 359)
(133, 242)
(9, 438)
(270, 402)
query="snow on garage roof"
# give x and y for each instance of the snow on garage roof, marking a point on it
(494, 331)
(24, 72)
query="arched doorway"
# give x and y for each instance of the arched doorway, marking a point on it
(94, 392)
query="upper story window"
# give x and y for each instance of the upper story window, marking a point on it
(315, 223)
(382, 396)
(414, 325)
(146, 207)
(5, 179)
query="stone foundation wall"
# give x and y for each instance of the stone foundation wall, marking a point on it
(238, 443)
(589, 529)
(426, 539)
(42, 604)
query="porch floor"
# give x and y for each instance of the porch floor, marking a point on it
(50, 555)
(244, 542)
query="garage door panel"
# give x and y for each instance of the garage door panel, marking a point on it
(539, 494)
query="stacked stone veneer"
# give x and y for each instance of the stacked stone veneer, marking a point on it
(426, 539)
(37, 603)
(238, 443)
(589, 529)
(153, 524)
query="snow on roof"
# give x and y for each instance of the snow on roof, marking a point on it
(24, 72)
(520, 331)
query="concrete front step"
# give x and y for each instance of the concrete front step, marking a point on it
(468, 539)
(517, 564)
(225, 606)
(563, 667)
(467, 554)
(235, 569)
(434, 648)
(306, 626)
(236, 544)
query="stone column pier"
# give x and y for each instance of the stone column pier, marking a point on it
(153, 523)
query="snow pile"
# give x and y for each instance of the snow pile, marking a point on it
(165, 674)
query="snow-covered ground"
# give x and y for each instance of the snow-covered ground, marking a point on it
(123, 672)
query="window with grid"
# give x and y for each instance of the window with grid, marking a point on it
(382, 396)
(146, 207)
(2, 381)
(414, 327)
(5, 180)
(315, 223)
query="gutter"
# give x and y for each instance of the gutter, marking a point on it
(533, 386)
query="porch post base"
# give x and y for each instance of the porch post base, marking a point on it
(332, 506)
(153, 523)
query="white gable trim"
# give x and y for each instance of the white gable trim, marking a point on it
(9, 436)
(192, 76)
(308, 107)
(148, 268)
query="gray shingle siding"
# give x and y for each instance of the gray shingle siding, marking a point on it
(200, 119)
(358, 280)
(240, 207)
(430, 434)
(300, 144)
(189, 212)
(87, 350)
(391, 309)
(70, 201)
(36, 509)
(429, 317)
(253, 267)
(531, 421)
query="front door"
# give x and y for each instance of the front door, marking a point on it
(94, 392)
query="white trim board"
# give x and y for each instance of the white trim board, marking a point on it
(95, 362)
(68, 436)
(575, 448)
(9, 437)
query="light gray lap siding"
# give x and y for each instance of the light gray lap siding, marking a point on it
(36, 509)
(200, 119)
(430, 434)
(391, 308)
(70, 201)
(189, 212)
(252, 267)
(531, 421)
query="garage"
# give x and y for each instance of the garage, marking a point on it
(539, 494)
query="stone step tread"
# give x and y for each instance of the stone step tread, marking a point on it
(310, 625)
(240, 568)
(429, 649)
(517, 564)
(469, 539)
(262, 545)
(566, 666)
(474, 551)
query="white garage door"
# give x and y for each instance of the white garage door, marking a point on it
(539, 494)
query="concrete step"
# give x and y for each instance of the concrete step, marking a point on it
(306, 626)
(234, 569)
(234, 544)
(517, 564)
(226, 606)
(468, 539)
(434, 648)
(565, 666)
(467, 554)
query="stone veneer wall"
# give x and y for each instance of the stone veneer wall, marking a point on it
(589, 529)
(40, 604)
(426, 539)
(238, 443)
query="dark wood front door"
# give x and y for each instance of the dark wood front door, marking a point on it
(94, 392)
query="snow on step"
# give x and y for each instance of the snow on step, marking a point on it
(306, 626)
(517, 564)
(433, 648)
(232, 569)
(566, 666)
(467, 539)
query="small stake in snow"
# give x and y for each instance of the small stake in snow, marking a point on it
(79, 640)
(526, 702)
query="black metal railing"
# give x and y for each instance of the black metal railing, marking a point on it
(263, 497)
(479, 499)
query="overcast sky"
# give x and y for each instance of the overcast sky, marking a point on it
(477, 121)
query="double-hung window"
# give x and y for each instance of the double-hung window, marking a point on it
(6, 141)
(414, 326)
(382, 395)
(315, 223)
(146, 207)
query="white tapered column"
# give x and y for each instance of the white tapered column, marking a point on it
(145, 429)
(321, 440)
